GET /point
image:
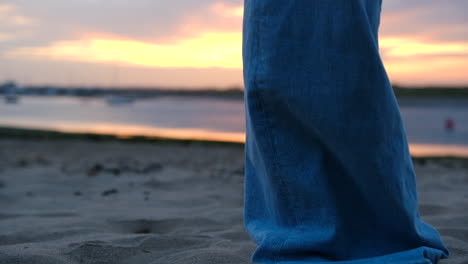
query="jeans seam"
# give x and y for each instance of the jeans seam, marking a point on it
(271, 139)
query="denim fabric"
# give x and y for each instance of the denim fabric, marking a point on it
(329, 176)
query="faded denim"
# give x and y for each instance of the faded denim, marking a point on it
(329, 176)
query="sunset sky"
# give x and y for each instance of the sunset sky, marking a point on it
(197, 43)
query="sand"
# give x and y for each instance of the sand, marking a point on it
(79, 201)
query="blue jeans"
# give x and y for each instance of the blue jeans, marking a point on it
(329, 176)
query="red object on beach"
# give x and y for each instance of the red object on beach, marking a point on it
(449, 124)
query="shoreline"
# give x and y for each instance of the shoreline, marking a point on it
(7, 132)
(27, 133)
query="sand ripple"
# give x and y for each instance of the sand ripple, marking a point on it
(86, 202)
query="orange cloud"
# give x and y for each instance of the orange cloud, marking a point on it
(428, 70)
(414, 61)
(207, 50)
(401, 47)
(213, 39)
(9, 16)
(227, 11)
(217, 17)
(5, 37)
(5, 8)
(200, 42)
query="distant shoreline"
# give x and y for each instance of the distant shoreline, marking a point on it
(435, 92)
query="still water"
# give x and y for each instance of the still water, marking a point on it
(217, 119)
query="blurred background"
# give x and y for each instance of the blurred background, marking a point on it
(174, 68)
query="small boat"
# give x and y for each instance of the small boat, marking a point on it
(11, 98)
(119, 100)
(10, 92)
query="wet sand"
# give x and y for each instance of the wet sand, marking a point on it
(83, 201)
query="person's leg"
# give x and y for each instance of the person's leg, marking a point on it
(328, 173)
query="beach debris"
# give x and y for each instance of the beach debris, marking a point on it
(109, 192)
(115, 171)
(94, 170)
(419, 161)
(28, 161)
(42, 161)
(152, 183)
(22, 163)
(449, 125)
(152, 167)
(447, 163)
(239, 171)
(143, 230)
(77, 193)
(120, 166)
(146, 195)
(226, 174)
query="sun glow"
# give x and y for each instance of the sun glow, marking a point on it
(208, 50)
(413, 60)
(401, 47)
(406, 59)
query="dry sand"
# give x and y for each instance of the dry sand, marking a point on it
(75, 201)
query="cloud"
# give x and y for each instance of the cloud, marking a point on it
(407, 46)
(144, 20)
(432, 20)
(207, 50)
(13, 24)
(10, 17)
(5, 37)
(154, 22)
(428, 70)
(198, 42)
(418, 38)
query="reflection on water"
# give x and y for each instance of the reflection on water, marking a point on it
(424, 150)
(215, 119)
(126, 131)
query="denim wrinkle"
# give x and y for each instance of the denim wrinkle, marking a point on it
(328, 173)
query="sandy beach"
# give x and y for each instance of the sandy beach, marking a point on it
(121, 202)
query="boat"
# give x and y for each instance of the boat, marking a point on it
(119, 100)
(11, 98)
(10, 92)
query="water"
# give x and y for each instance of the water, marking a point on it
(216, 119)
(175, 117)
